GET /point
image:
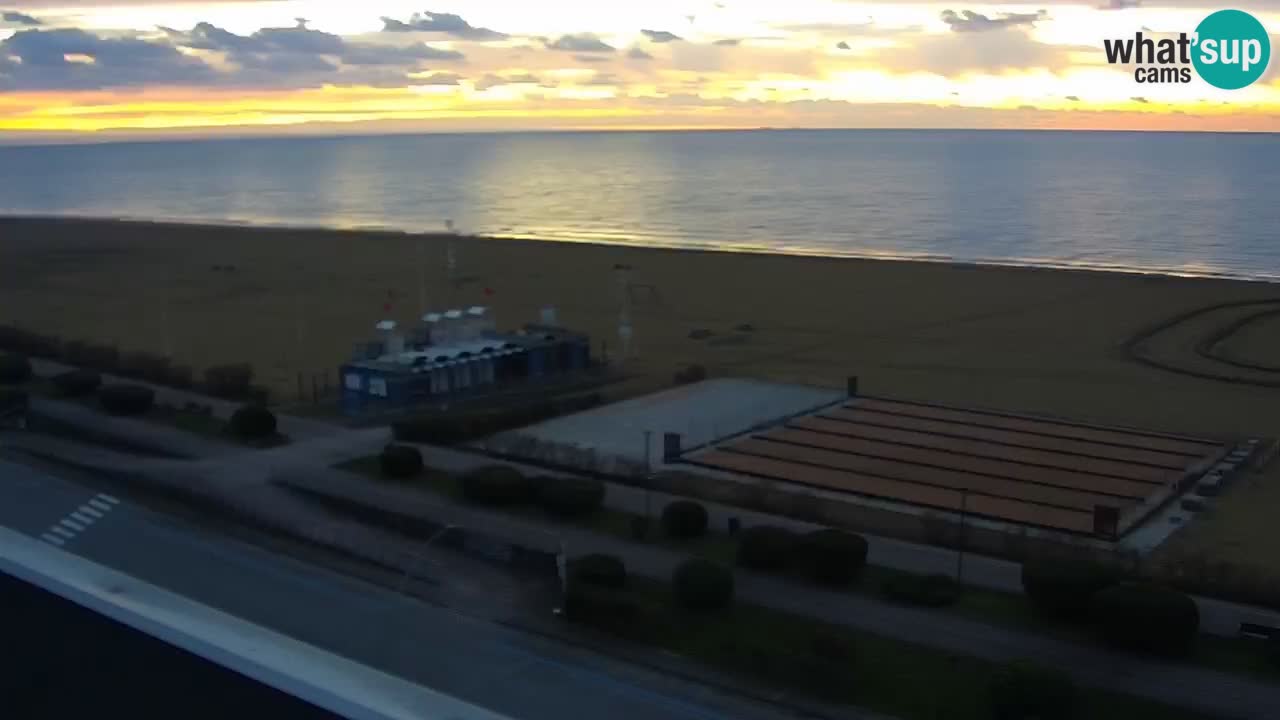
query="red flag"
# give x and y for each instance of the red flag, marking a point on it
(488, 292)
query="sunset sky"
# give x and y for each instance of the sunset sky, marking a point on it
(143, 68)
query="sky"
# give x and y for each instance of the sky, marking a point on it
(141, 68)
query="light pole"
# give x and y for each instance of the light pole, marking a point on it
(964, 503)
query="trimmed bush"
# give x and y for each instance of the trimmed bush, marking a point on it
(253, 422)
(14, 369)
(496, 485)
(1021, 691)
(229, 381)
(1064, 588)
(924, 590)
(1146, 617)
(833, 557)
(400, 461)
(602, 570)
(702, 585)
(684, 519)
(767, 547)
(126, 399)
(570, 497)
(77, 383)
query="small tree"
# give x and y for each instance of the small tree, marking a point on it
(1146, 617)
(702, 585)
(253, 422)
(400, 461)
(684, 519)
(833, 557)
(1064, 588)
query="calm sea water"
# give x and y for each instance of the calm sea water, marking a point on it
(1178, 203)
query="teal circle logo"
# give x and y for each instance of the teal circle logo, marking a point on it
(1232, 49)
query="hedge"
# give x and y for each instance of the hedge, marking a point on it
(496, 485)
(253, 422)
(570, 497)
(603, 570)
(1064, 588)
(935, 590)
(400, 461)
(77, 383)
(702, 585)
(684, 519)
(1021, 691)
(126, 399)
(1146, 617)
(229, 381)
(833, 557)
(14, 369)
(767, 547)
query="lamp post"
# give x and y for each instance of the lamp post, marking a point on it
(964, 504)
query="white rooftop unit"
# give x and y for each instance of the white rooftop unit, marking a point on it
(481, 321)
(393, 342)
(452, 325)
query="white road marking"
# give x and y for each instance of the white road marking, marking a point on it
(109, 498)
(52, 539)
(68, 522)
(82, 518)
(63, 532)
(95, 512)
(100, 505)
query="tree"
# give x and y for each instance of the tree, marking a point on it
(684, 519)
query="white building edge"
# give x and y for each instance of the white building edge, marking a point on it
(324, 679)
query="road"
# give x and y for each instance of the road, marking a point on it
(490, 665)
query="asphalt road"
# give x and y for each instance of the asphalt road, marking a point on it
(489, 665)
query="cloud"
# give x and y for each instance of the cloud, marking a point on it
(1073, 98)
(12, 17)
(440, 78)
(590, 58)
(842, 45)
(369, 54)
(956, 53)
(446, 23)
(491, 80)
(1140, 99)
(661, 36)
(728, 42)
(580, 43)
(970, 21)
(638, 53)
(1119, 4)
(112, 62)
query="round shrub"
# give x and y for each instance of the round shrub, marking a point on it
(253, 422)
(496, 485)
(14, 369)
(1021, 691)
(924, 590)
(570, 497)
(602, 570)
(1064, 588)
(702, 585)
(1146, 617)
(833, 557)
(77, 383)
(684, 519)
(767, 547)
(126, 399)
(400, 461)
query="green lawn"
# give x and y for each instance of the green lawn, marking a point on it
(907, 681)
(982, 605)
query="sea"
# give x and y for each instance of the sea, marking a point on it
(1170, 203)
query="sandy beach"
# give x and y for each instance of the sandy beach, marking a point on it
(1029, 340)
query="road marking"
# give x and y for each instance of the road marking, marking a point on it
(52, 539)
(100, 505)
(109, 498)
(82, 518)
(68, 522)
(63, 532)
(95, 512)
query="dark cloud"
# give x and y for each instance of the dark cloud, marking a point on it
(369, 54)
(441, 78)
(580, 43)
(446, 23)
(842, 45)
(661, 36)
(728, 42)
(637, 53)
(16, 18)
(590, 58)
(493, 80)
(1073, 98)
(301, 49)
(115, 62)
(1119, 4)
(1140, 99)
(970, 21)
